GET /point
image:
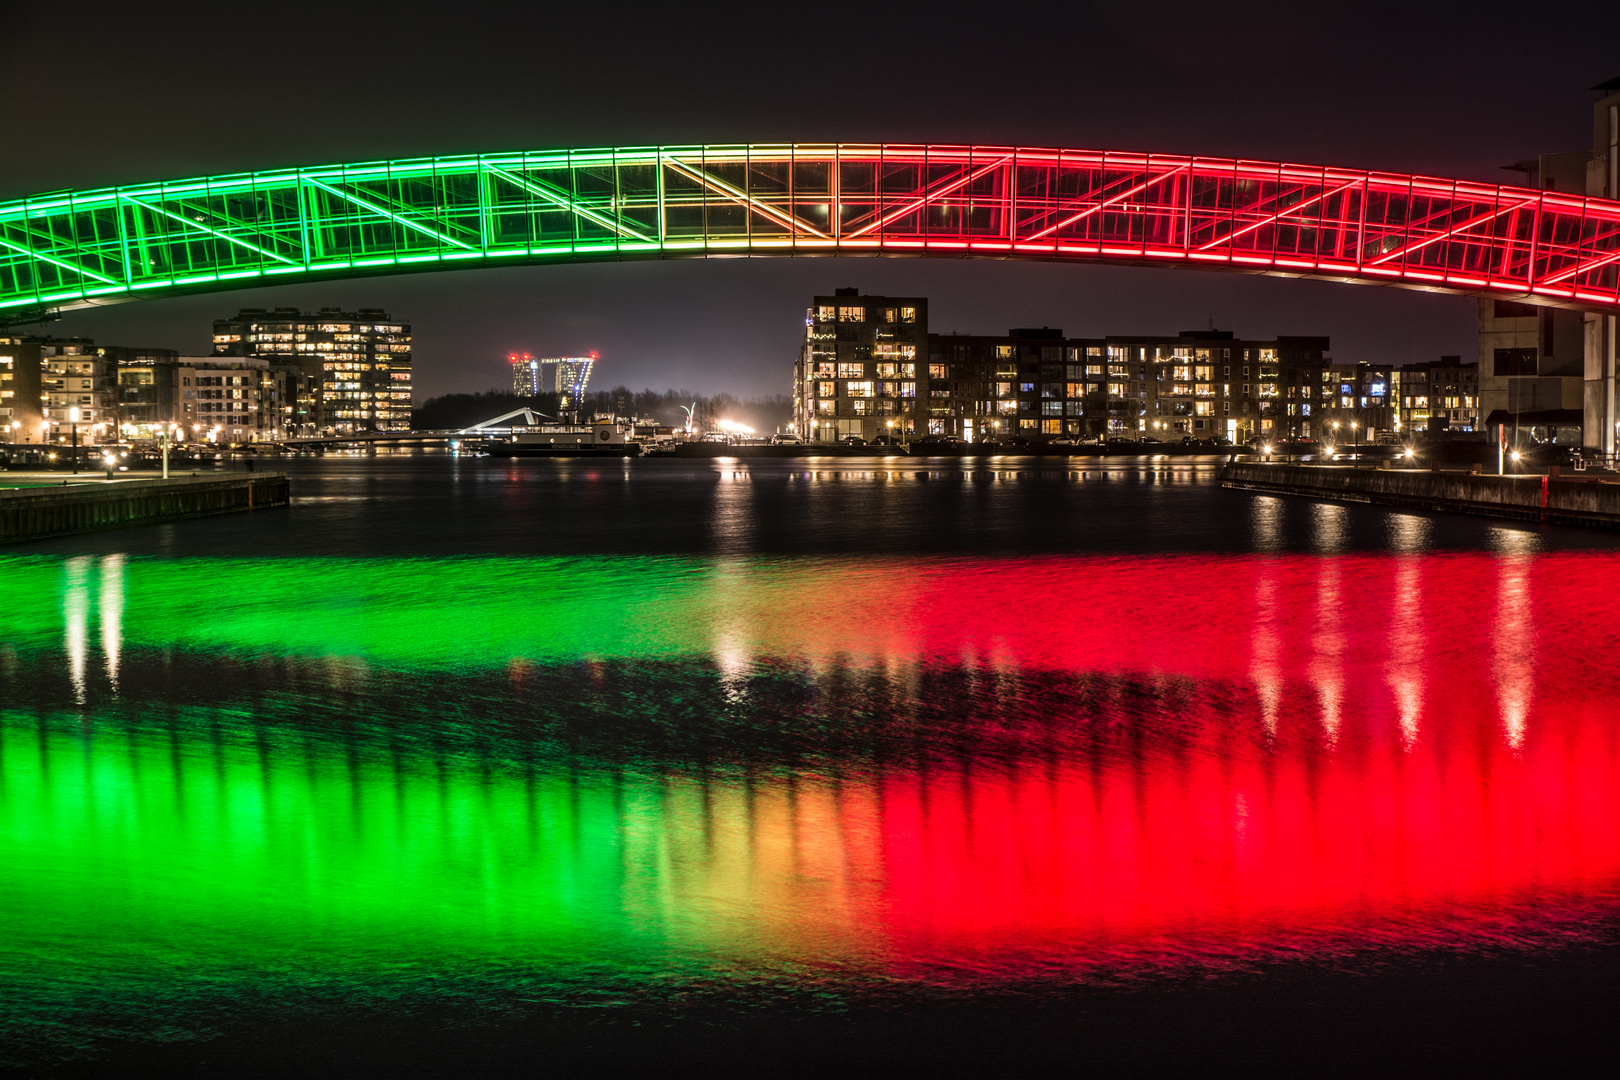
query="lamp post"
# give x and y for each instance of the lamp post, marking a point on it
(165, 441)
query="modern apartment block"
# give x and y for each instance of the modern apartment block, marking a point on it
(1439, 396)
(868, 366)
(355, 365)
(1197, 383)
(862, 368)
(78, 390)
(234, 401)
(860, 373)
(22, 415)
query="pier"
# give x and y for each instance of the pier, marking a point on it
(38, 505)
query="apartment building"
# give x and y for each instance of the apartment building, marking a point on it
(1439, 396)
(22, 416)
(862, 368)
(1199, 383)
(355, 365)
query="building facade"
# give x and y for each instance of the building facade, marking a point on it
(22, 414)
(868, 367)
(246, 400)
(1438, 397)
(78, 390)
(1600, 413)
(1199, 384)
(863, 369)
(565, 376)
(1547, 368)
(353, 367)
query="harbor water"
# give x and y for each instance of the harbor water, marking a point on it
(463, 765)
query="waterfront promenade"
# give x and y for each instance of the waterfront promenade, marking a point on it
(1585, 501)
(34, 505)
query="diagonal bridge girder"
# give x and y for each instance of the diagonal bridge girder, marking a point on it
(74, 249)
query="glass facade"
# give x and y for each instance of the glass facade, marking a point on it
(357, 364)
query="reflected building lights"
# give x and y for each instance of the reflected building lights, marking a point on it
(112, 614)
(1407, 663)
(75, 620)
(1267, 646)
(1265, 515)
(1512, 646)
(1327, 640)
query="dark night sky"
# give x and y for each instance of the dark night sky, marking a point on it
(93, 95)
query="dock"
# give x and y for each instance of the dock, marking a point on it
(1575, 500)
(34, 506)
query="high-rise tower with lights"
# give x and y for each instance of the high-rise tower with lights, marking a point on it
(565, 376)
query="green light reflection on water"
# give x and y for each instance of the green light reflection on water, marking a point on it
(163, 858)
(397, 611)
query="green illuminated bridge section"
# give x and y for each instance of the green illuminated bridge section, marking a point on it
(75, 249)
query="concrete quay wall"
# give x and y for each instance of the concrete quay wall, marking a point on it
(33, 513)
(1563, 501)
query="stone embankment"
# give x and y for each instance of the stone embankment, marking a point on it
(51, 508)
(1561, 500)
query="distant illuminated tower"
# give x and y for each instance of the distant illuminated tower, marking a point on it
(525, 374)
(572, 373)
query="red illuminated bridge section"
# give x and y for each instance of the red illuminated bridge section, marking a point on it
(72, 249)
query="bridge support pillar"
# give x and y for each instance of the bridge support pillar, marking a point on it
(1601, 425)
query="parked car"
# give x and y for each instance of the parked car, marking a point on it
(1062, 440)
(1220, 440)
(886, 440)
(939, 441)
(853, 440)
(786, 440)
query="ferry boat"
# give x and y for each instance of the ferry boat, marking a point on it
(564, 440)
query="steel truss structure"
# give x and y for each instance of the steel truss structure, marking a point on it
(73, 249)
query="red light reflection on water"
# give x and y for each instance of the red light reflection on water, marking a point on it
(1362, 746)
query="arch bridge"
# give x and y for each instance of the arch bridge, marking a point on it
(75, 249)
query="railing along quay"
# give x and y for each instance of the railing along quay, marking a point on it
(1587, 502)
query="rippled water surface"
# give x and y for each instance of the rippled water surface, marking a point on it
(830, 748)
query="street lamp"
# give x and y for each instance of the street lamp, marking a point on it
(166, 429)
